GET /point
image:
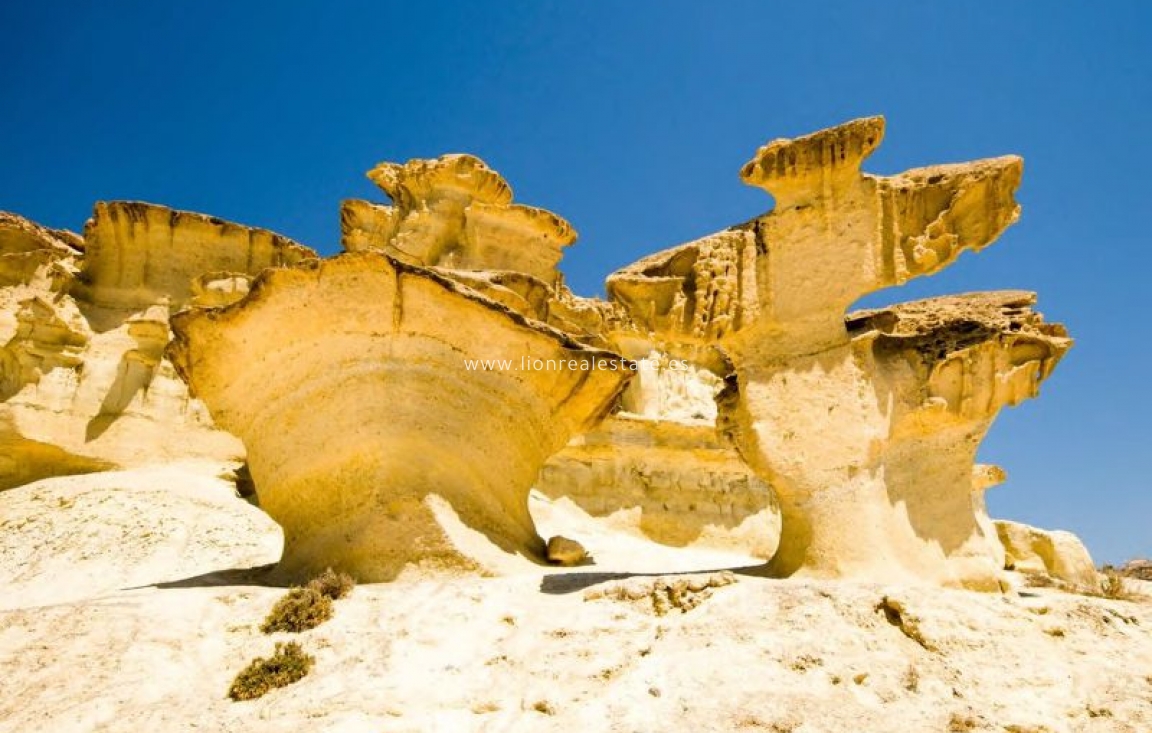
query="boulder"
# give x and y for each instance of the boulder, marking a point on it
(565, 552)
(1056, 553)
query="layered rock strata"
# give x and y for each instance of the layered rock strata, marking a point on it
(83, 326)
(671, 482)
(378, 435)
(140, 254)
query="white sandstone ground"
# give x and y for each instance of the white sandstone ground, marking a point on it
(145, 619)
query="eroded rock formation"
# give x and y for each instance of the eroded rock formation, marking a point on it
(1056, 554)
(370, 438)
(83, 326)
(883, 488)
(657, 467)
(984, 477)
(676, 483)
(720, 397)
(867, 428)
(140, 254)
(455, 212)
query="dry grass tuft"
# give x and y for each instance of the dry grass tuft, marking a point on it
(911, 679)
(1115, 587)
(299, 610)
(961, 723)
(287, 664)
(332, 584)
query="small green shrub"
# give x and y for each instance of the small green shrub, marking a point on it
(287, 664)
(332, 584)
(301, 609)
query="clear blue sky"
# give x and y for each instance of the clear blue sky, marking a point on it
(632, 119)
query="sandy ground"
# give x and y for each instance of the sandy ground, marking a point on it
(144, 627)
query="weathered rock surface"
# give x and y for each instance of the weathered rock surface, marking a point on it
(672, 482)
(884, 489)
(83, 326)
(835, 234)
(984, 477)
(78, 537)
(32, 255)
(1139, 568)
(141, 254)
(1057, 554)
(457, 213)
(497, 654)
(370, 439)
(866, 428)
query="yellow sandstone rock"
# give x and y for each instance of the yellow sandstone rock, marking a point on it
(457, 213)
(370, 439)
(867, 428)
(984, 477)
(83, 326)
(671, 482)
(140, 254)
(758, 413)
(1057, 554)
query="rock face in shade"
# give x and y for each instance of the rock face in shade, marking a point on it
(84, 385)
(867, 428)
(1057, 554)
(370, 439)
(671, 482)
(457, 213)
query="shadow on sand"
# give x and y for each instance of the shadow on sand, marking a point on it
(261, 575)
(563, 583)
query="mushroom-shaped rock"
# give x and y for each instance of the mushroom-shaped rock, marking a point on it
(457, 213)
(392, 416)
(871, 447)
(457, 176)
(833, 413)
(140, 254)
(1057, 554)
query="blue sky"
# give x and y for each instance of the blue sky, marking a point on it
(632, 119)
